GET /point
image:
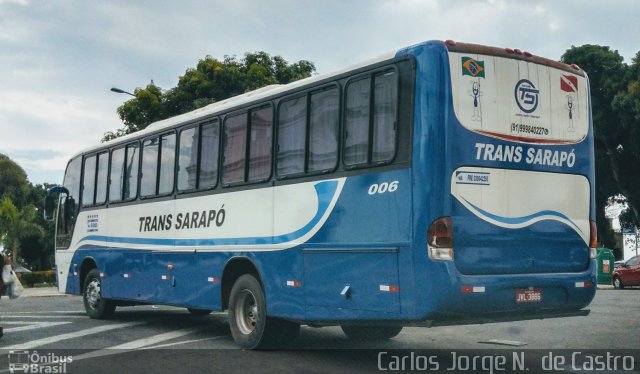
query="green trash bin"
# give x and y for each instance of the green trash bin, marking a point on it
(605, 262)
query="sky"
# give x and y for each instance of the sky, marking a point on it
(59, 59)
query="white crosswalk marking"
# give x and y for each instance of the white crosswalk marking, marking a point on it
(136, 344)
(30, 325)
(53, 339)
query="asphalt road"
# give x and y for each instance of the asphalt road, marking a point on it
(165, 339)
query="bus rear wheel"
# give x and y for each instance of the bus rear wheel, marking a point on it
(371, 332)
(94, 304)
(248, 321)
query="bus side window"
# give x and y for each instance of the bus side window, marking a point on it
(188, 159)
(167, 163)
(292, 128)
(261, 144)
(89, 181)
(385, 116)
(101, 178)
(357, 122)
(130, 178)
(149, 172)
(210, 139)
(116, 175)
(235, 149)
(370, 119)
(324, 116)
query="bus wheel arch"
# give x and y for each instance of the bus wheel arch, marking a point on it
(87, 265)
(234, 269)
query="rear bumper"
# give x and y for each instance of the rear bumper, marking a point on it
(459, 297)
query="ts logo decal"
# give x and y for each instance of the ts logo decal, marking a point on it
(526, 95)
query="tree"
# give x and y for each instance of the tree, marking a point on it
(626, 103)
(13, 180)
(138, 113)
(607, 77)
(210, 81)
(14, 224)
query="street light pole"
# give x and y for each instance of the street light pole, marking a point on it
(117, 90)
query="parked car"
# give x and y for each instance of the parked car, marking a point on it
(627, 274)
(617, 264)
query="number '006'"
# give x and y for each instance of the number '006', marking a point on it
(383, 187)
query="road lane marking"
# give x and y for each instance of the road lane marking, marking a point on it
(31, 325)
(137, 344)
(76, 334)
(191, 341)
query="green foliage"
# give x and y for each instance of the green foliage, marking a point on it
(22, 228)
(13, 180)
(615, 98)
(14, 224)
(210, 81)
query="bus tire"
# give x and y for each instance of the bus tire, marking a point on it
(250, 327)
(371, 332)
(199, 312)
(95, 306)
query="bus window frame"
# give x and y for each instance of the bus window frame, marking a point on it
(95, 192)
(371, 74)
(126, 157)
(110, 182)
(218, 121)
(82, 204)
(307, 93)
(223, 141)
(159, 136)
(190, 126)
(258, 107)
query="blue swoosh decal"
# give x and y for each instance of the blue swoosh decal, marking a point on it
(325, 192)
(525, 219)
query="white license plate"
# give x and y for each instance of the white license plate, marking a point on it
(528, 295)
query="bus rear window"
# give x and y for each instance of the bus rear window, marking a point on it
(518, 100)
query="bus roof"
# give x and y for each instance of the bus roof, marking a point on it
(275, 89)
(511, 53)
(233, 102)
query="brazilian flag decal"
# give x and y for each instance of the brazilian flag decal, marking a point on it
(472, 67)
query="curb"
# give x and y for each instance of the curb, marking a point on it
(41, 292)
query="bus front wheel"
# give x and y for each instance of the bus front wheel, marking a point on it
(96, 306)
(370, 332)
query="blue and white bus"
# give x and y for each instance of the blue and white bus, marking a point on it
(443, 183)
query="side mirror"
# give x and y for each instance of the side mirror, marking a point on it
(50, 202)
(49, 207)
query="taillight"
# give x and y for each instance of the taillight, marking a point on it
(593, 239)
(440, 239)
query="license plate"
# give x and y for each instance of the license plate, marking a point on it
(529, 295)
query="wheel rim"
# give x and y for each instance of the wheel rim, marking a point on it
(616, 282)
(92, 293)
(247, 312)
